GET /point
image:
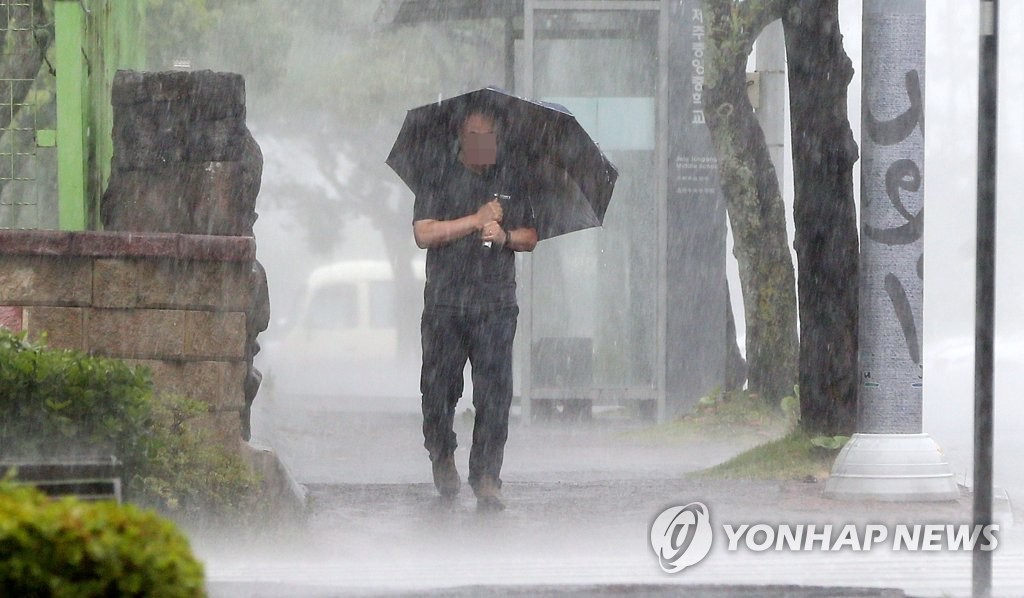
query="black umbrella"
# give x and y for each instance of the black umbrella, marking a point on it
(571, 180)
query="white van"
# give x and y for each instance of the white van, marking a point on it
(343, 340)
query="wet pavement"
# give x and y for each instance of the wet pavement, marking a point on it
(581, 500)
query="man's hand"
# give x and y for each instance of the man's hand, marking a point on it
(489, 212)
(493, 232)
(435, 233)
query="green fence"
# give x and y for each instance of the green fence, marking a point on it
(57, 65)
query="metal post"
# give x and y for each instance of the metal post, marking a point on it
(526, 313)
(662, 187)
(984, 297)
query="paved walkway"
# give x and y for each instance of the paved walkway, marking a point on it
(581, 502)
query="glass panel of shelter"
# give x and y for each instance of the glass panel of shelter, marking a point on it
(594, 293)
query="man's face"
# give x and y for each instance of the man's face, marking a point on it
(479, 141)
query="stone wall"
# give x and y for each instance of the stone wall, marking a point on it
(185, 162)
(172, 302)
(173, 282)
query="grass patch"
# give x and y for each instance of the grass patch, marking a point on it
(734, 413)
(786, 453)
(798, 455)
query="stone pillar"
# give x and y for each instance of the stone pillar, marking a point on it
(185, 162)
(891, 458)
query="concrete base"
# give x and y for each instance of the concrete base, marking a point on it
(892, 467)
(279, 485)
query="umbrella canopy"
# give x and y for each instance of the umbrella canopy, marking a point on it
(570, 179)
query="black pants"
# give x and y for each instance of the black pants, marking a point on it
(484, 337)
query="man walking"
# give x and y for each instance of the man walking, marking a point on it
(471, 221)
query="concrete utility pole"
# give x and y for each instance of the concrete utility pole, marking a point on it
(890, 458)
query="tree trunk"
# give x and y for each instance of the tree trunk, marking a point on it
(756, 210)
(824, 152)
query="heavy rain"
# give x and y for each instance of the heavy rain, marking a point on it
(674, 250)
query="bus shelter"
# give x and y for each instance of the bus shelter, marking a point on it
(633, 313)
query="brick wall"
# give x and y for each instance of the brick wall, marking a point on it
(175, 303)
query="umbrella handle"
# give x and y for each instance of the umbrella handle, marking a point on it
(501, 198)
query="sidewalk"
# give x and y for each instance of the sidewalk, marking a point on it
(581, 501)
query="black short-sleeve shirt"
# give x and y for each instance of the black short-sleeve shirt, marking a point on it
(464, 273)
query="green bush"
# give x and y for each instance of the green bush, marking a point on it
(56, 403)
(61, 404)
(186, 472)
(72, 548)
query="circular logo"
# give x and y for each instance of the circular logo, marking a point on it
(681, 536)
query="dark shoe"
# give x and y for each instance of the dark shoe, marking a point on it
(488, 495)
(446, 477)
